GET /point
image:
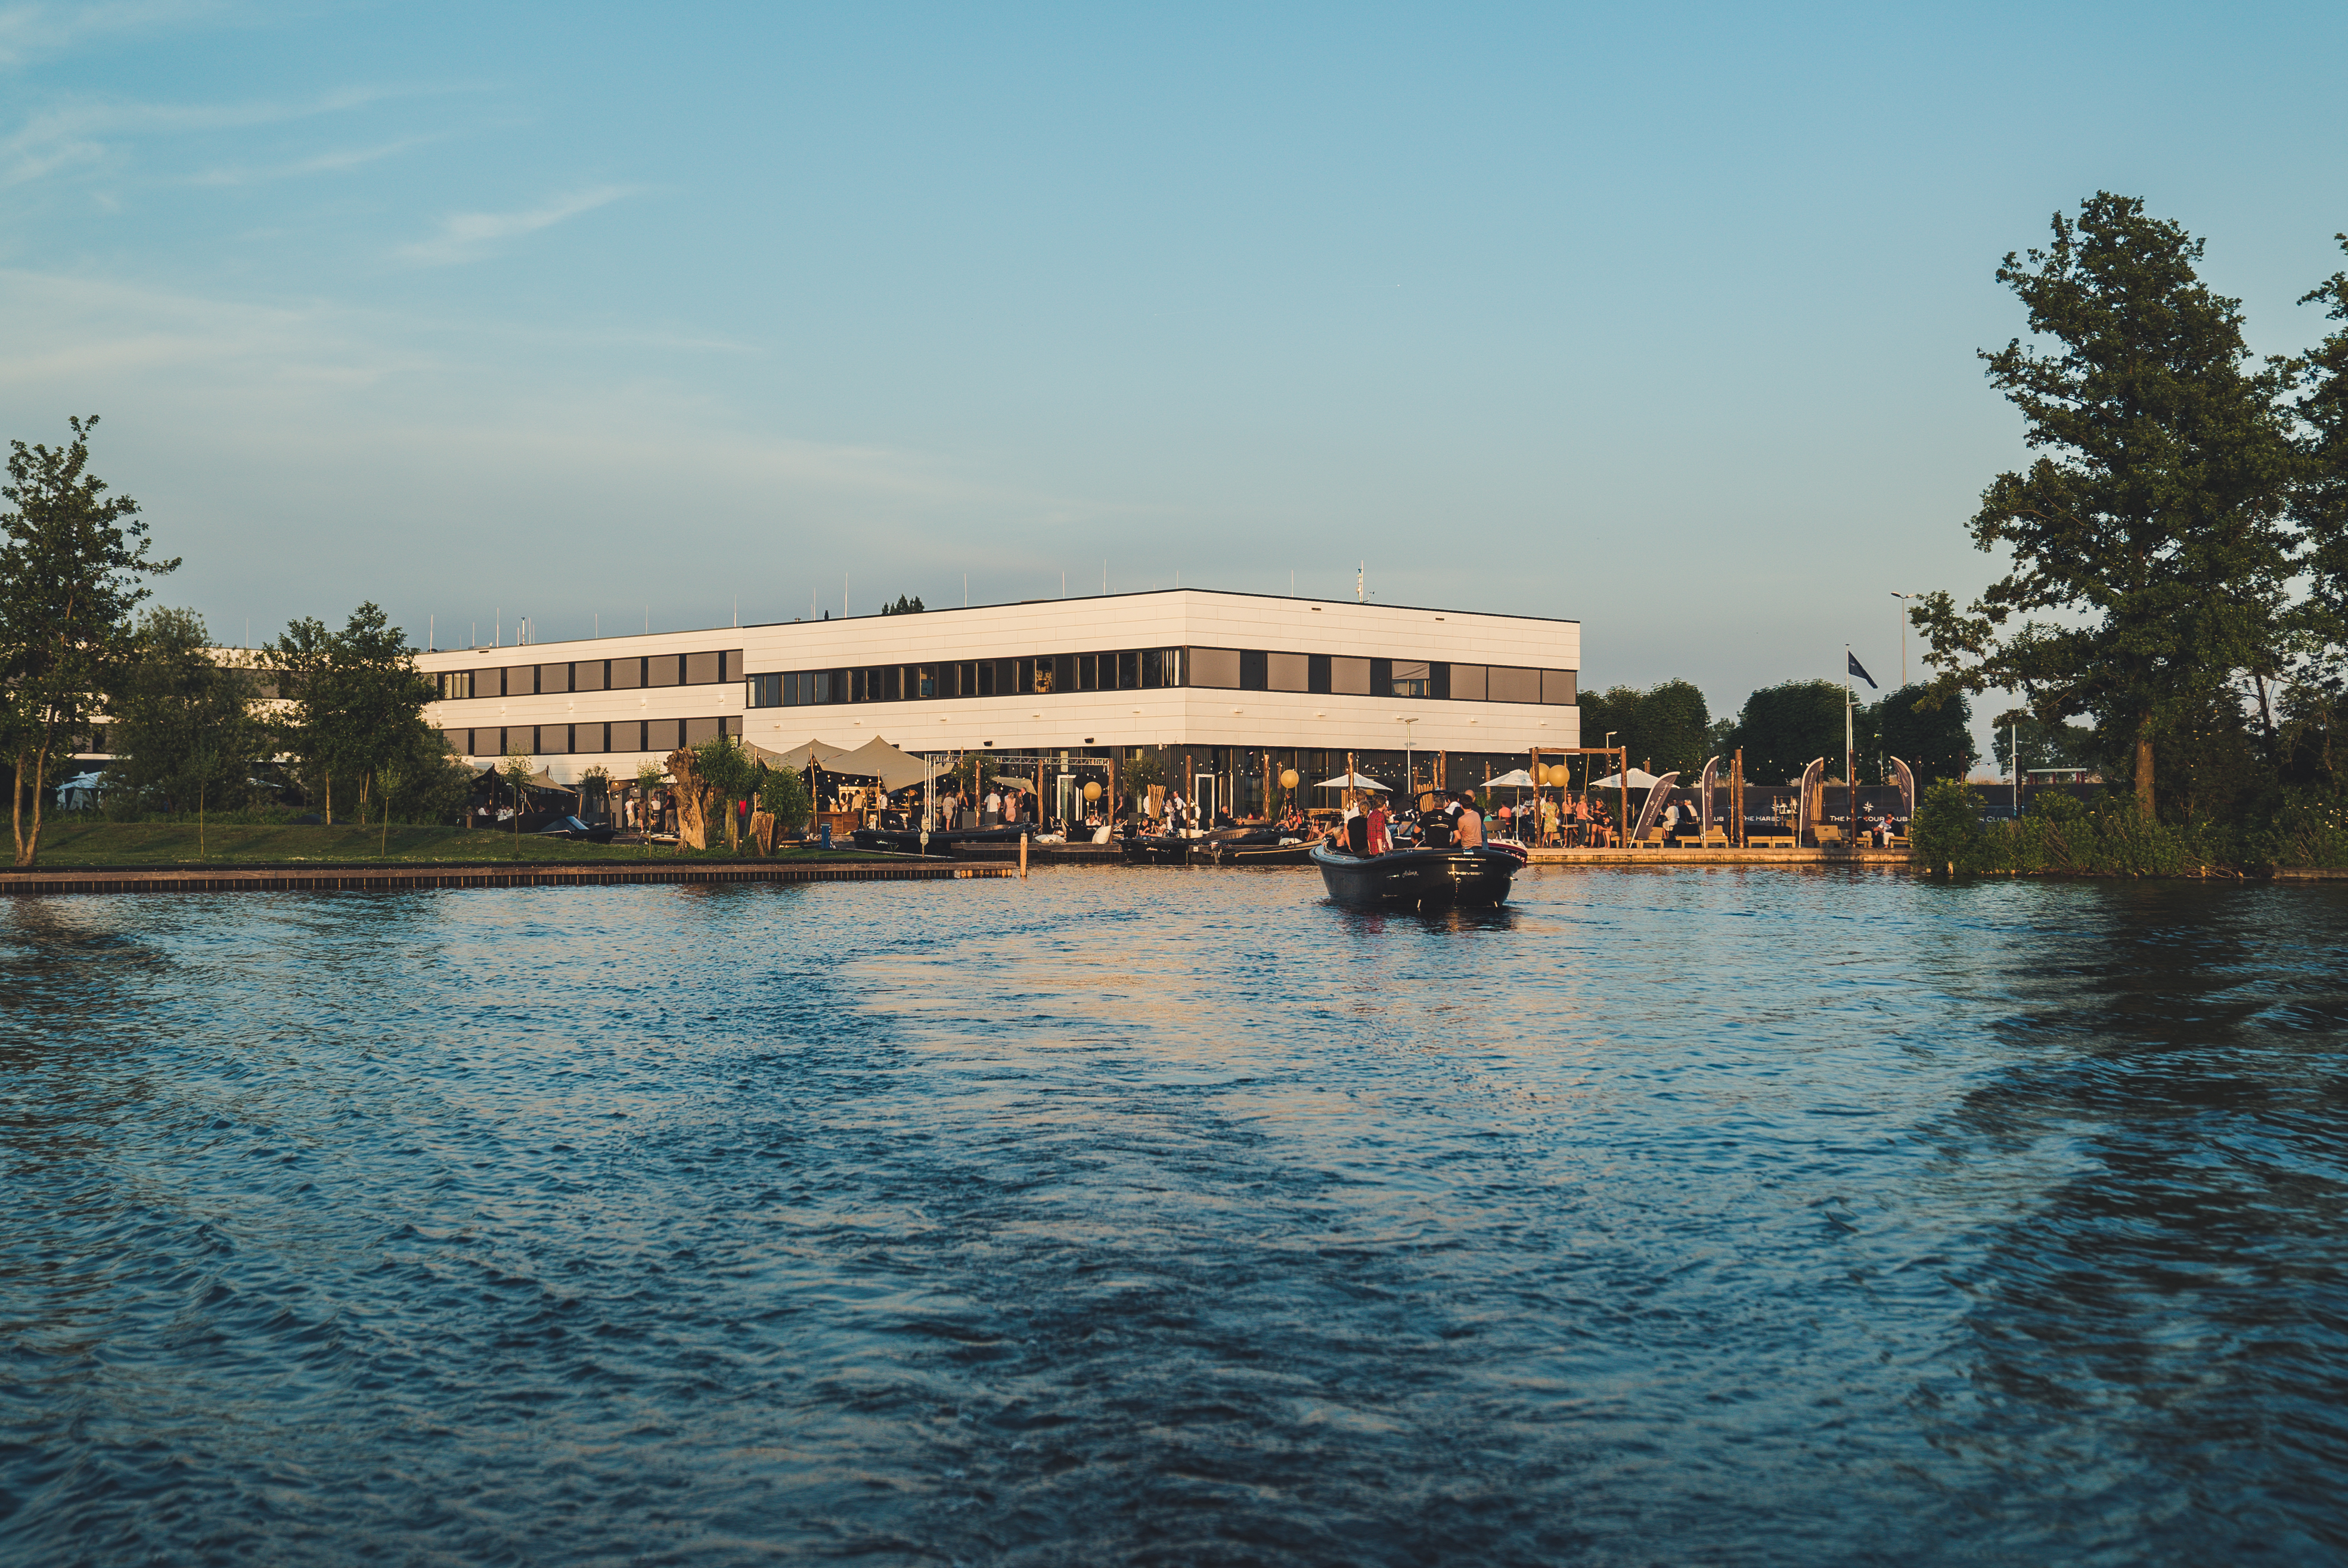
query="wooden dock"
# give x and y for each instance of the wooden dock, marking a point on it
(299, 879)
(1685, 860)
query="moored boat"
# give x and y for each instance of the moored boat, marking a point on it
(1409, 877)
(908, 841)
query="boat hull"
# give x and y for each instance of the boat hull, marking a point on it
(903, 841)
(1408, 878)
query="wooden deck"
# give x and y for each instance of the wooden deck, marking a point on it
(478, 874)
(1718, 855)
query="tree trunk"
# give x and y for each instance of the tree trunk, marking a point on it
(330, 798)
(16, 808)
(30, 845)
(2144, 770)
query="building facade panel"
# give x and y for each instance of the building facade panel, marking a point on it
(1182, 668)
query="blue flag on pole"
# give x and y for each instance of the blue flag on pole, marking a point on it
(1860, 669)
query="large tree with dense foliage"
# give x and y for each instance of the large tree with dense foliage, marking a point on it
(1666, 725)
(1930, 730)
(72, 565)
(1783, 727)
(2154, 529)
(179, 719)
(351, 701)
(2317, 702)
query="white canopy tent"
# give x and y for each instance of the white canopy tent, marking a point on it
(877, 759)
(815, 752)
(1353, 781)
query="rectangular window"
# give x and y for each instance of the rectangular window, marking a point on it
(732, 724)
(1350, 677)
(664, 670)
(1252, 675)
(1316, 675)
(553, 679)
(663, 735)
(1409, 678)
(1064, 672)
(1153, 667)
(892, 684)
(1129, 671)
(697, 731)
(1381, 677)
(1505, 684)
(986, 679)
(627, 674)
(1288, 672)
(729, 666)
(1217, 667)
(555, 740)
(924, 678)
(1468, 683)
(1558, 688)
(762, 692)
(703, 669)
(1087, 671)
(592, 737)
(587, 675)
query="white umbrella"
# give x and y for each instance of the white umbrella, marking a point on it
(1353, 781)
(1639, 779)
(1516, 780)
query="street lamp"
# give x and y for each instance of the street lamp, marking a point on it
(1409, 779)
(1903, 599)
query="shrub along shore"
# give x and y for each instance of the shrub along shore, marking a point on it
(69, 845)
(2059, 835)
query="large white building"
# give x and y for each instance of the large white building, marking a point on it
(1218, 683)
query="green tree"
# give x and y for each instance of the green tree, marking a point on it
(1930, 731)
(727, 773)
(2316, 699)
(70, 569)
(180, 720)
(353, 701)
(1783, 727)
(785, 793)
(515, 769)
(904, 606)
(2155, 531)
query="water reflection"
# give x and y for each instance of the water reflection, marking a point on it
(1162, 1217)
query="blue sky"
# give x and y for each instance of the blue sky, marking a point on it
(1660, 319)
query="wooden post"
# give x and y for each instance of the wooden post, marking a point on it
(1622, 783)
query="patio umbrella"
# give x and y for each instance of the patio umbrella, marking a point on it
(1516, 780)
(1640, 778)
(1353, 781)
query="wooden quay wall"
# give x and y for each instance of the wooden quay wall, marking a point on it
(485, 874)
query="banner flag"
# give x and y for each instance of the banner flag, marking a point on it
(1859, 669)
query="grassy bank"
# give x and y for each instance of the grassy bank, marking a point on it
(125, 844)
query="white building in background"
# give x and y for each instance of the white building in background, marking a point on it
(1216, 681)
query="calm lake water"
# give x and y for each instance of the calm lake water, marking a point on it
(1749, 1217)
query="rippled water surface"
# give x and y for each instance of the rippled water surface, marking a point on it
(1176, 1217)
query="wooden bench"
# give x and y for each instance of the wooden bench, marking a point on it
(1771, 841)
(1828, 833)
(1714, 837)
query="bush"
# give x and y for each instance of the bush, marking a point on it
(1946, 831)
(784, 792)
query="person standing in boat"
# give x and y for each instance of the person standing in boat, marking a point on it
(1433, 828)
(1379, 842)
(1356, 826)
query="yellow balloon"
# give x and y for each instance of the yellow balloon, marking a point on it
(1287, 778)
(1092, 792)
(1558, 776)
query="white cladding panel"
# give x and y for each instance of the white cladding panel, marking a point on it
(1191, 715)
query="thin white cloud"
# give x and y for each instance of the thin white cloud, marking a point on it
(322, 163)
(70, 133)
(468, 236)
(32, 32)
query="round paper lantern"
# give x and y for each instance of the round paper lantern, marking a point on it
(1092, 792)
(1287, 778)
(1558, 776)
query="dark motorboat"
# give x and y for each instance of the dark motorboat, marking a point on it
(577, 831)
(908, 840)
(1256, 847)
(1407, 877)
(1156, 850)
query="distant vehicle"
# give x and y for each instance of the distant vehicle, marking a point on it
(578, 831)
